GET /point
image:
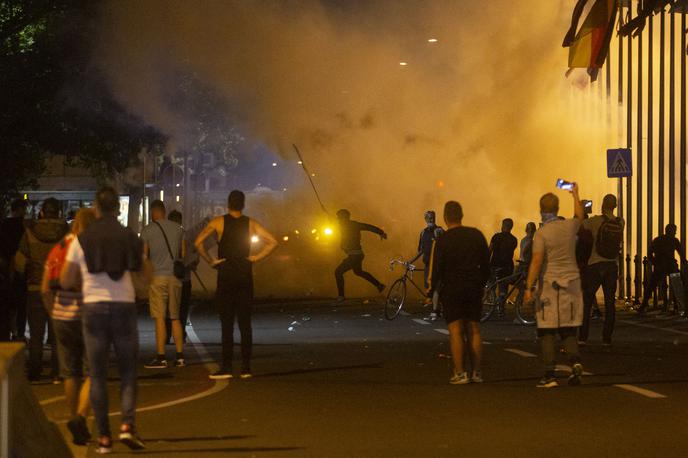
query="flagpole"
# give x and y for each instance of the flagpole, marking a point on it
(672, 117)
(650, 135)
(683, 134)
(660, 151)
(620, 190)
(629, 145)
(639, 167)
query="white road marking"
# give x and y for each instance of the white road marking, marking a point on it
(644, 325)
(442, 331)
(641, 391)
(518, 352)
(210, 365)
(419, 321)
(565, 368)
(51, 400)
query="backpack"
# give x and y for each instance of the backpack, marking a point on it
(609, 238)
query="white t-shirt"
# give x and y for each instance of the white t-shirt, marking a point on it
(100, 287)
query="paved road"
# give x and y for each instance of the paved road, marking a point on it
(345, 382)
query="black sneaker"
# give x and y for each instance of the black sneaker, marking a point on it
(129, 438)
(222, 374)
(548, 381)
(576, 374)
(156, 363)
(80, 433)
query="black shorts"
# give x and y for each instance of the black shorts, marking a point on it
(462, 303)
(70, 348)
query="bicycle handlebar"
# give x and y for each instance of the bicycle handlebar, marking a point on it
(407, 265)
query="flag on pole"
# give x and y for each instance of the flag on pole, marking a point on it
(590, 46)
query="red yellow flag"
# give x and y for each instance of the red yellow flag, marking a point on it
(591, 45)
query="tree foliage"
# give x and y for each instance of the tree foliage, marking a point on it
(53, 101)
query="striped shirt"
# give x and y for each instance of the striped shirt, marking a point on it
(67, 305)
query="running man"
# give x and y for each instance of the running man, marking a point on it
(351, 245)
(426, 241)
(234, 265)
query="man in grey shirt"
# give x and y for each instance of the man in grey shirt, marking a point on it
(603, 268)
(163, 245)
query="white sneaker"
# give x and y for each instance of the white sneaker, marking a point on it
(477, 377)
(460, 379)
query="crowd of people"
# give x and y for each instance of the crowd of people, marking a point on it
(76, 285)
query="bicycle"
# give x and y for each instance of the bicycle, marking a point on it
(397, 292)
(493, 301)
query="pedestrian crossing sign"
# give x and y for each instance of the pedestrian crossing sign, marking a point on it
(619, 163)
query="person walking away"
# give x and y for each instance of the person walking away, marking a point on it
(11, 233)
(427, 239)
(559, 306)
(460, 268)
(104, 257)
(502, 248)
(163, 244)
(39, 238)
(234, 265)
(662, 256)
(603, 269)
(65, 310)
(191, 261)
(526, 247)
(350, 232)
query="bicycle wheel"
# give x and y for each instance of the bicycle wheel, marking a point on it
(525, 312)
(490, 297)
(395, 299)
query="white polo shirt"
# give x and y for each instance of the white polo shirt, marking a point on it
(100, 287)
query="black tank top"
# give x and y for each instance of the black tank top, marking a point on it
(235, 247)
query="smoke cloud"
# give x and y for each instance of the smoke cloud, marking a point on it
(483, 115)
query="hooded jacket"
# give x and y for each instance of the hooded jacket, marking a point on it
(38, 239)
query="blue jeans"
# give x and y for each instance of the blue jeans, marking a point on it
(105, 324)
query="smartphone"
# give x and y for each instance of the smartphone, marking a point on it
(565, 185)
(587, 206)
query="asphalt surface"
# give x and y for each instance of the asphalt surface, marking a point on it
(338, 380)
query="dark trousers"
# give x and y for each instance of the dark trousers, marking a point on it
(604, 274)
(39, 322)
(235, 302)
(658, 277)
(17, 302)
(5, 327)
(183, 310)
(108, 324)
(352, 262)
(549, 349)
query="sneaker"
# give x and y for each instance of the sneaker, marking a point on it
(180, 363)
(431, 317)
(129, 438)
(460, 379)
(607, 343)
(596, 314)
(80, 433)
(104, 446)
(245, 374)
(582, 343)
(156, 363)
(381, 287)
(222, 374)
(576, 373)
(340, 299)
(477, 377)
(57, 380)
(548, 381)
